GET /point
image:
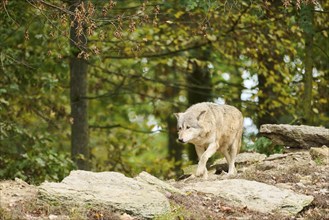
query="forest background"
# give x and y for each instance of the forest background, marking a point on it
(94, 84)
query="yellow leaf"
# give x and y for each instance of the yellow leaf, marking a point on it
(323, 101)
(178, 14)
(211, 37)
(52, 114)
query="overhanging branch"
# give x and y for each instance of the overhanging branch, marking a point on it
(126, 128)
(162, 54)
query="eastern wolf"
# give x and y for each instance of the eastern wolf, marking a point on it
(211, 127)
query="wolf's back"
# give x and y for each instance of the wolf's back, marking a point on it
(226, 120)
(224, 111)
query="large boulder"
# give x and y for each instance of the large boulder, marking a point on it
(254, 195)
(294, 136)
(157, 183)
(107, 189)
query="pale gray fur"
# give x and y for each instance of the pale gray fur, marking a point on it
(211, 127)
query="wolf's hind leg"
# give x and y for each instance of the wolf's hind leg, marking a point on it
(233, 151)
(227, 156)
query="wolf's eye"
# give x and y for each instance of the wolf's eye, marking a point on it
(179, 128)
(187, 127)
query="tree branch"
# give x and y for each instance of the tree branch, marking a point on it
(163, 54)
(51, 6)
(236, 22)
(126, 128)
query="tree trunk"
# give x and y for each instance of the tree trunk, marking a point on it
(235, 97)
(175, 149)
(268, 112)
(266, 115)
(80, 151)
(307, 15)
(199, 87)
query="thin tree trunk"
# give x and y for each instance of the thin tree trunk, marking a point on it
(266, 115)
(200, 88)
(80, 151)
(175, 149)
(307, 15)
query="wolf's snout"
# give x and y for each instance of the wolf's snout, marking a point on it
(181, 140)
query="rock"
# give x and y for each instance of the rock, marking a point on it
(254, 195)
(276, 157)
(157, 183)
(294, 136)
(320, 153)
(249, 158)
(189, 170)
(107, 189)
(13, 192)
(125, 216)
(58, 217)
(266, 165)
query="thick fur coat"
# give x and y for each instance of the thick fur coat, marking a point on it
(211, 127)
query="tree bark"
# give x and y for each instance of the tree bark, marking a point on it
(267, 115)
(175, 149)
(200, 87)
(307, 24)
(80, 151)
(267, 112)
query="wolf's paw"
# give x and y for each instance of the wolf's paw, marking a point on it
(224, 175)
(232, 172)
(201, 171)
(205, 175)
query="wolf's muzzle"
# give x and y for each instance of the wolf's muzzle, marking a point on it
(181, 140)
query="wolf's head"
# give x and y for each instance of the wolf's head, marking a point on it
(188, 125)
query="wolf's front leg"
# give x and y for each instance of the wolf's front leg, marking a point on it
(202, 170)
(199, 150)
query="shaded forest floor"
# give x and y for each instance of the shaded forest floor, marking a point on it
(295, 171)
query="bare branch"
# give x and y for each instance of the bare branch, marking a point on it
(51, 6)
(126, 128)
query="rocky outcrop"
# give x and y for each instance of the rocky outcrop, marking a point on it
(157, 183)
(274, 186)
(253, 195)
(320, 154)
(107, 189)
(296, 136)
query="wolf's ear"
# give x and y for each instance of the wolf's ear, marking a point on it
(200, 115)
(177, 115)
